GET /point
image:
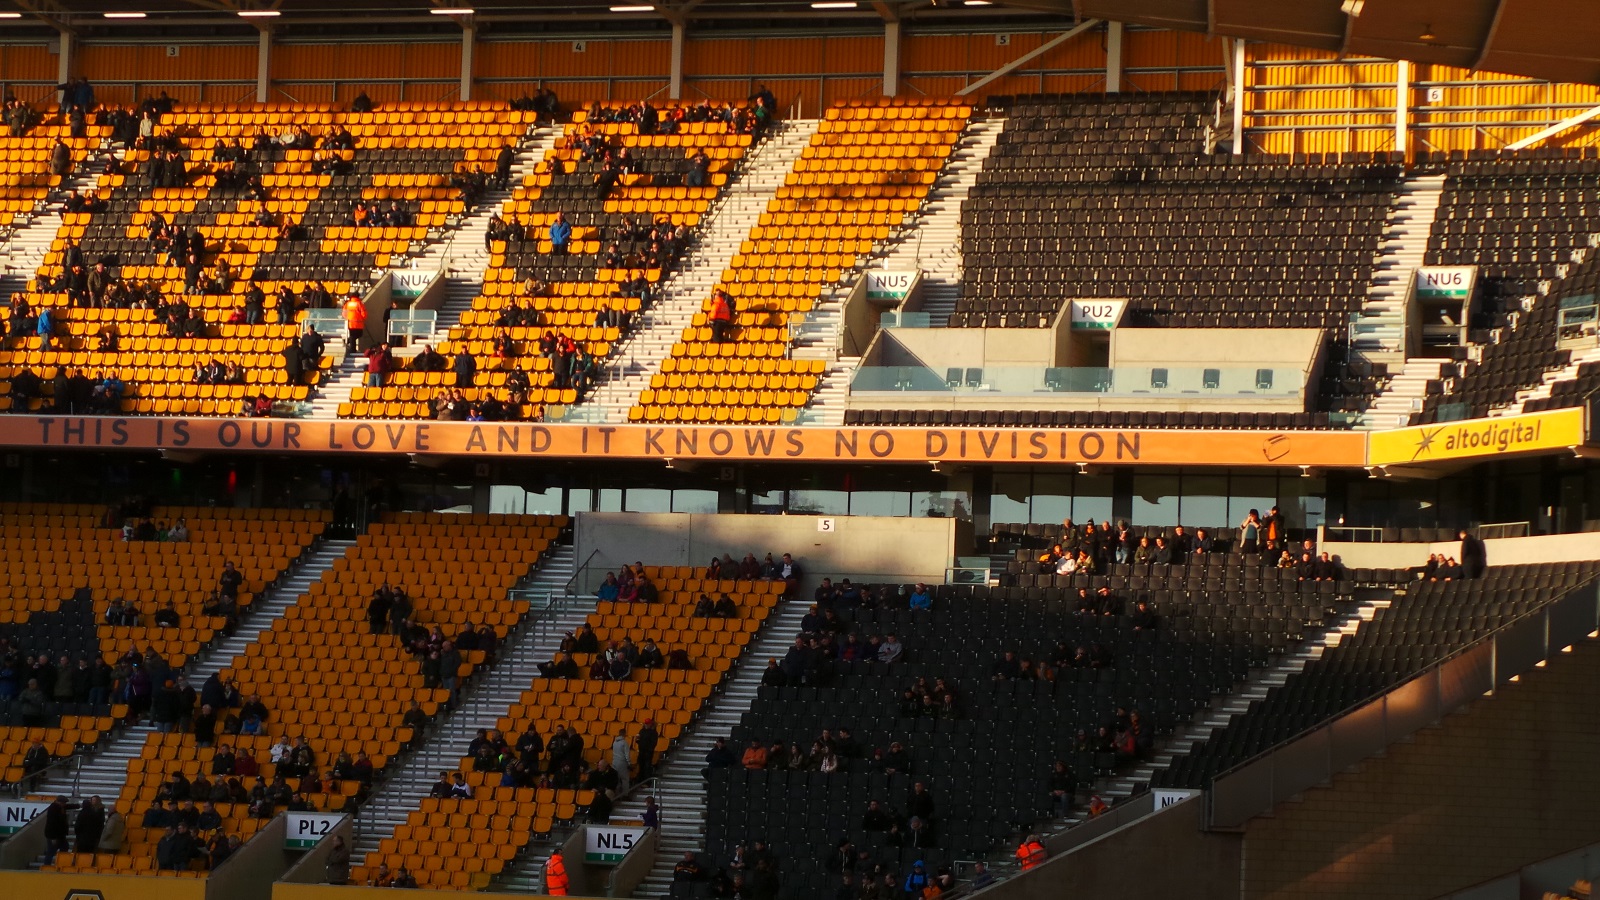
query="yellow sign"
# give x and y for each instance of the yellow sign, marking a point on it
(1477, 438)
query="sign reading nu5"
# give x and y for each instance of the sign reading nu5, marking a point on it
(1445, 282)
(605, 845)
(885, 285)
(302, 830)
(1554, 430)
(16, 814)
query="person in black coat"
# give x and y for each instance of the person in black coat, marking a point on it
(55, 826)
(91, 824)
(1474, 555)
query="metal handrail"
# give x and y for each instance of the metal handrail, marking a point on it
(29, 783)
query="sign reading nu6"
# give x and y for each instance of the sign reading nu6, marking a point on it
(883, 285)
(1445, 282)
(606, 846)
(16, 814)
(303, 830)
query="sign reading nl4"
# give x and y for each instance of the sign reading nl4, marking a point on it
(1097, 315)
(1166, 797)
(16, 814)
(302, 831)
(604, 845)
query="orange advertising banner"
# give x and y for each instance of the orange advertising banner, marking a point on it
(703, 442)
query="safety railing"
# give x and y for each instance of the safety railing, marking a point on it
(30, 783)
(412, 324)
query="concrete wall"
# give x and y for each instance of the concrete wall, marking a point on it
(859, 548)
(1502, 551)
(976, 348)
(1163, 855)
(627, 875)
(249, 873)
(22, 848)
(1264, 348)
(1485, 793)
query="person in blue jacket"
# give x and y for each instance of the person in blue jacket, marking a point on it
(560, 234)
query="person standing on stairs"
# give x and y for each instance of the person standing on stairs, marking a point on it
(645, 742)
(355, 319)
(620, 761)
(555, 875)
(502, 166)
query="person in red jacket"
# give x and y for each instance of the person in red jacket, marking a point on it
(1031, 852)
(555, 875)
(721, 318)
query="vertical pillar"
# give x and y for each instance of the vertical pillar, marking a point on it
(1238, 97)
(891, 58)
(469, 36)
(675, 80)
(1402, 105)
(1113, 57)
(64, 61)
(264, 66)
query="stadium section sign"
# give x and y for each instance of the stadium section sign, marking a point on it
(16, 814)
(732, 442)
(606, 846)
(303, 830)
(1445, 282)
(889, 286)
(1096, 315)
(1478, 438)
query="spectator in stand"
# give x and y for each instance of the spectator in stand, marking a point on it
(921, 598)
(1250, 537)
(560, 235)
(1474, 555)
(755, 756)
(721, 317)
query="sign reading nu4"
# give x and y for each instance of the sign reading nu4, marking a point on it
(1097, 315)
(606, 846)
(15, 814)
(1445, 282)
(885, 285)
(408, 284)
(302, 830)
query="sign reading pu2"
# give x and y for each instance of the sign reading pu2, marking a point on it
(303, 830)
(1097, 315)
(606, 846)
(1445, 282)
(890, 286)
(16, 814)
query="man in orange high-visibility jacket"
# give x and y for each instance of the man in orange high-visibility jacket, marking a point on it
(1030, 853)
(555, 875)
(355, 318)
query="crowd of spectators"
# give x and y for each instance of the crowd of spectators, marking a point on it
(544, 102)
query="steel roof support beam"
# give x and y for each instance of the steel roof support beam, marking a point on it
(1028, 57)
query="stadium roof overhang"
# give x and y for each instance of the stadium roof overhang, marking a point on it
(1557, 40)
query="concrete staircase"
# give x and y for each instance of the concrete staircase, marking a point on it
(460, 252)
(929, 241)
(1404, 395)
(104, 771)
(725, 226)
(1379, 330)
(933, 245)
(833, 393)
(680, 791)
(1551, 378)
(481, 704)
(29, 237)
